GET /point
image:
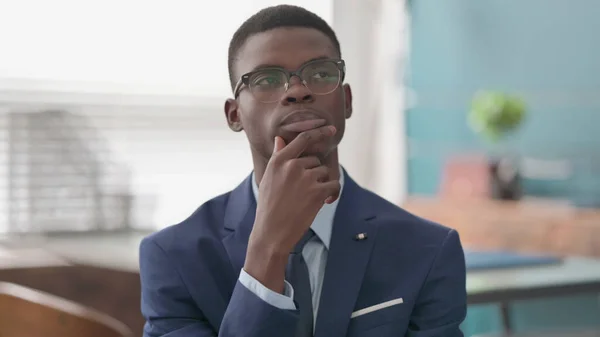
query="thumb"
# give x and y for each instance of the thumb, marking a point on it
(279, 144)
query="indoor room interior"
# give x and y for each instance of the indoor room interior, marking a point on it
(480, 115)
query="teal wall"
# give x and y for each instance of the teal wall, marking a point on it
(546, 50)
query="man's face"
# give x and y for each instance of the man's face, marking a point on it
(288, 48)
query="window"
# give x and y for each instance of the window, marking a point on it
(141, 74)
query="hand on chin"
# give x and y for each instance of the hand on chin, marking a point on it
(319, 150)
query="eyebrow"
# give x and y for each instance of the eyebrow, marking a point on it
(269, 65)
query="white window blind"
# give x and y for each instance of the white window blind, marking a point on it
(71, 53)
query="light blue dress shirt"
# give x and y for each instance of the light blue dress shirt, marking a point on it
(315, 256)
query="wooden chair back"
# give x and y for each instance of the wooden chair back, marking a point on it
(25, 312)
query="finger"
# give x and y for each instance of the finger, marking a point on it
(278, 144)
(331, 190)
(295, 148)
(308, 162)
(319, 173)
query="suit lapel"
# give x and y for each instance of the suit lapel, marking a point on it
(239, 220)
(346, 262)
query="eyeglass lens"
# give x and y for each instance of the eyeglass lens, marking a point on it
(320, 78)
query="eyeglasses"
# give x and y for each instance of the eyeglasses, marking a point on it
(268, 85)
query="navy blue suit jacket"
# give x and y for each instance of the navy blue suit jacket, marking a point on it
(190, 288)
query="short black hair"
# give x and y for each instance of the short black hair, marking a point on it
(276, 17)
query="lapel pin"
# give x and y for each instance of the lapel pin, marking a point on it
(360, 236)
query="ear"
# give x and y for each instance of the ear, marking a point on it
(347, 100)
(232, 115)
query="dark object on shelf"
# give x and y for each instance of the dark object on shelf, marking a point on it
(505, 179)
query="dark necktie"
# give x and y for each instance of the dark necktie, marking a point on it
(297, 275)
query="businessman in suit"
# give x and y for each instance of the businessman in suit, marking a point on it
(298, 249)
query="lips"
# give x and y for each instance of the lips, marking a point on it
(302, 120)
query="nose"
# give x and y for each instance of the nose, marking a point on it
(297, 92)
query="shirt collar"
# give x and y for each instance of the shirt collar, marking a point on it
(323, 223)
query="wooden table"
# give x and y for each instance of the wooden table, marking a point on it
(533, 225)
(574, 275)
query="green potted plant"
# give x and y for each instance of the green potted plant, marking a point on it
(493, 116)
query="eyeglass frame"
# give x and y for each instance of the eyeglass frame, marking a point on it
(245, 79)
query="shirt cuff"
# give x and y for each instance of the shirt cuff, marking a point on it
(283, 301)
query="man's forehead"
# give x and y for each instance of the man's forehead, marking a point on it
(284, 47)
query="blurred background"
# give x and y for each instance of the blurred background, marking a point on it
(482, 115)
